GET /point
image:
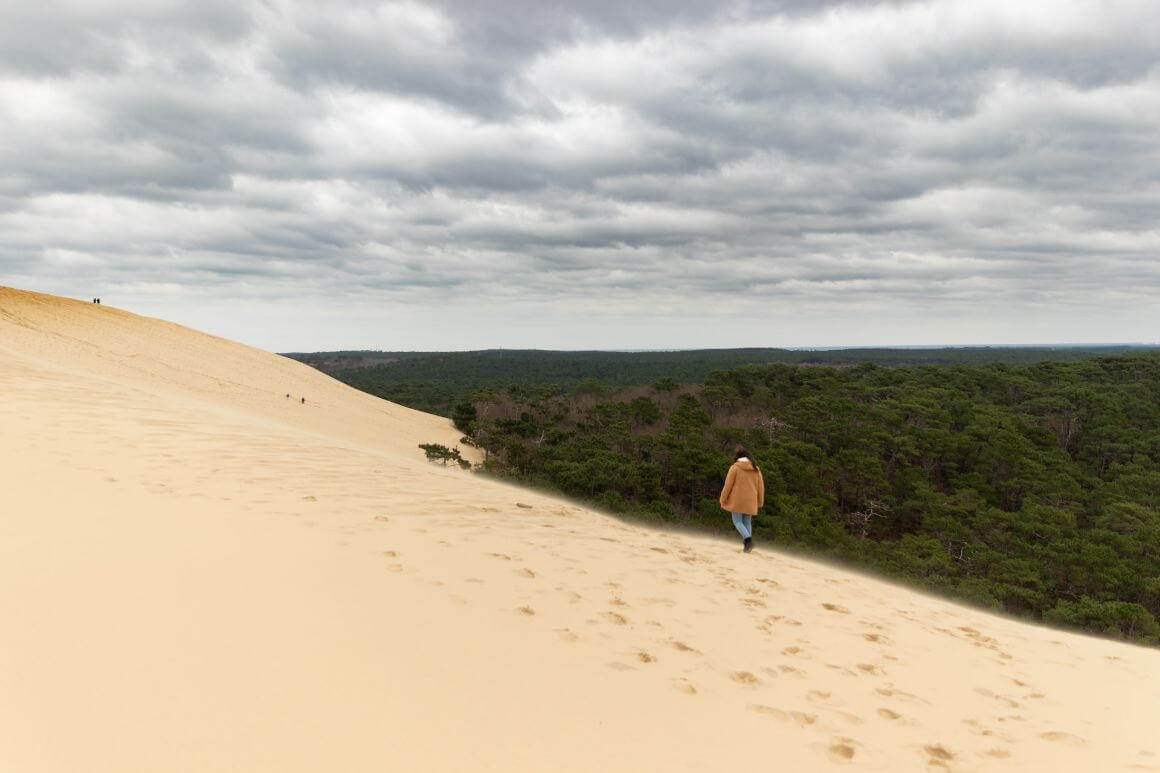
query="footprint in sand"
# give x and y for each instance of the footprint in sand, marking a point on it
(680, 646)
(842, 749)
(1060, 737)
(615, 618)
(977, 727)
(746, 678)
(500, 556)
(526, 610)
(382, 519)
(685, 686)
(567, 634)
(889, 692)
(645, 657)
(659, 550)
(800, 717)
(938, 755)
(761, 708)
(845, 671)
(769, 620)
(888, 714)
(390, 553)
(836, 608)
(982, 640)
(1001, 698)
(526, 573)
(791, 650)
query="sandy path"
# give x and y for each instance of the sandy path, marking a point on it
(207, 580)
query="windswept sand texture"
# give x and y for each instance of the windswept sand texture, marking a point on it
(197, 574)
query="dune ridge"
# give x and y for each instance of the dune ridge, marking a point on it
(199, 574)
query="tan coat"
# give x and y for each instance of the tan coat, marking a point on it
(744, 490)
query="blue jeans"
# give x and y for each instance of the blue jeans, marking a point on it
(744, 524)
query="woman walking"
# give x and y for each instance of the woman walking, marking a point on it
(743, 493)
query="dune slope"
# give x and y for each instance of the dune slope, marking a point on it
(198, 573)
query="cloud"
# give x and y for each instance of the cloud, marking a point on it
(914, 172)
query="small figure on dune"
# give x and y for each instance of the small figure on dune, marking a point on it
(304, 401)
(743, 493)
(287, 395)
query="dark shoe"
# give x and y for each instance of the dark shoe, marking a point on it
(748, 544)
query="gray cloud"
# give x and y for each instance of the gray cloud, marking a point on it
(63, 37)
(301, 176)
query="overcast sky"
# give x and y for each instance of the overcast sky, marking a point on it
(601, 174)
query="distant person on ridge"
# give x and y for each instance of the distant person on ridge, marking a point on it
(743, 493)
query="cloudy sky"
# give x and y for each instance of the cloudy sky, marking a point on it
(600, 174)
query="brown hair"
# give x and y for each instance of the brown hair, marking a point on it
(740, 451)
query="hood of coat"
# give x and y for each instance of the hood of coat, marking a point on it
(745, 463)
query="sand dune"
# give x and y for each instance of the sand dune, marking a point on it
(199, 574)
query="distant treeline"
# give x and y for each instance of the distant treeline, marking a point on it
(435, 381)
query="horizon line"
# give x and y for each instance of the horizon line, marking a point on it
(839, 348)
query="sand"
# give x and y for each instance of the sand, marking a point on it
(200, 574)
